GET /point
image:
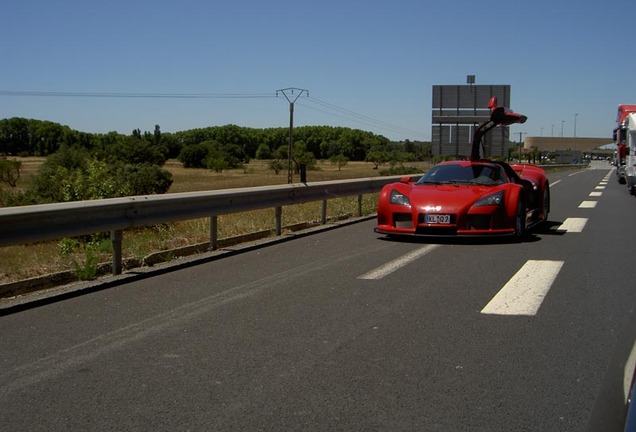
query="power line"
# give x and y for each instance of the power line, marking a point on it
(357, 117)
(311, 103)
(139, 95)
(375, 123)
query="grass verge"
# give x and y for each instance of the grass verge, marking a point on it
(22, 262)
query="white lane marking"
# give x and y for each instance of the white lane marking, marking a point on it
(628, 372)
(398, 263)
(525, 291)
(588, 204)
(599, 187)
(576, 173)
(573, 225)
(555, 182)
(596, 194)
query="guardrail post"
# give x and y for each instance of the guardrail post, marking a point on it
(116, 240)
(279, 220)
(323, 217)
(214, 233)
(359, 205)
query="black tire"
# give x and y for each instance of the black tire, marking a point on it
(520, 220)
(546, 202)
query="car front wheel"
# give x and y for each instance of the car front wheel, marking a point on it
(520, 220)
(546, 202)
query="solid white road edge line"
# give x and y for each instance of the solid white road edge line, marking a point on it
(628, 372)
(398, 263)
(525, 291)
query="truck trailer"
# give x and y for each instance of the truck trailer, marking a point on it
(620, 139)
(630, 153)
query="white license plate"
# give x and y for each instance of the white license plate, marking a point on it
(437, 219)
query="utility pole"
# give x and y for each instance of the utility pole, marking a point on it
(575, 116)
(291, 98)
(521, 134)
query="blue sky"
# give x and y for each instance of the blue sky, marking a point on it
(367, 64)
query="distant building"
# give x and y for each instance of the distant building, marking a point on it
(564, 143)
(570, 150)
(458, 110)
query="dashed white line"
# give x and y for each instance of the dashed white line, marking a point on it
(571, 225)
(596, 194)
(588, 204)
(525, 291)
(398, 263)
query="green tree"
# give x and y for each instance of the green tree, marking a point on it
(217, 163)
(137, 150)
(276, 165)
(96, 181)
(263, 152)
(194, 155)
(157, 135)
(14, 137)
(303, 157)
(378, 157)
(339, 160)
(74, 174)
(143, 179)
(10, 171)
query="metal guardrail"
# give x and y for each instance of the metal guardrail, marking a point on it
(26, 224)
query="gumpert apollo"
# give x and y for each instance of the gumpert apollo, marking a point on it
(474, 197)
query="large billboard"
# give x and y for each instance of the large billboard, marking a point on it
(458, 110)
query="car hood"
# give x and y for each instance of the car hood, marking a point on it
(448, 198)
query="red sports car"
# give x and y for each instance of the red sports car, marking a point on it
(468, 197)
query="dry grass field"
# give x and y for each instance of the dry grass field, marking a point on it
(27, 261)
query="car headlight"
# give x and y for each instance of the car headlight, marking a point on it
(399, 198)
(495, 199)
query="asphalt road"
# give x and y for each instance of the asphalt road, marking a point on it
(346, 330)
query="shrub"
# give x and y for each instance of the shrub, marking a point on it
(10, 171)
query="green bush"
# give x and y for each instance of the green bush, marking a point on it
(73, 174)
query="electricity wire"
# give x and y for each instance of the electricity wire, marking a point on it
(139, 95)
(356, 117)
(313, 104)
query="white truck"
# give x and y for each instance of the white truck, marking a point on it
(630, 153)
(620, 139)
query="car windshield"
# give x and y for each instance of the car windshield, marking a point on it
(463, 174)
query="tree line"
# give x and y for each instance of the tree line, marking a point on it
(29, 137)
(83, 165)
